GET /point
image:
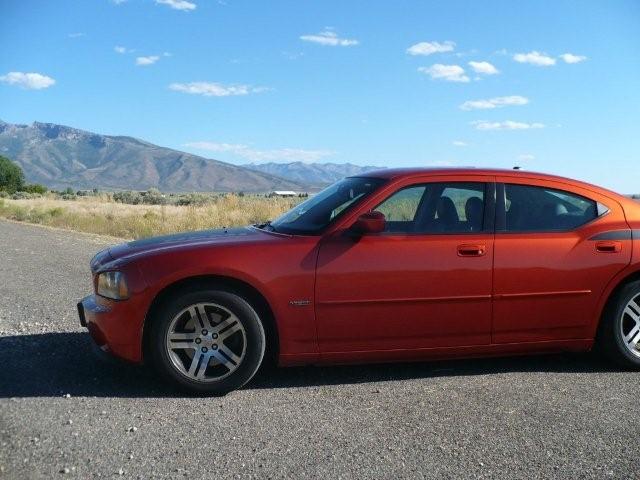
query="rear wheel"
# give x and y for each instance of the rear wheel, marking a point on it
(207, 341)
(619, 335)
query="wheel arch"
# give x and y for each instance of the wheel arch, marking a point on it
(618, 284)
(251, 294)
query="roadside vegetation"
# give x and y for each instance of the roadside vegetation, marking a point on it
(131, 215)
(103, 215)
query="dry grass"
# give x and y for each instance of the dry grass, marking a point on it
(103, 216)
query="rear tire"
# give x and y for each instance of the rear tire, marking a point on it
(619, 334)
(207, 341)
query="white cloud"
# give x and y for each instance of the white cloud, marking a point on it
(571, 58)
(429, 48)
(484, 68)
(76, 35)
(254, 155)
(122, 50)
(507, 125)
(526, 157)
(497, 102)
(212, 89)
(459, 143)
(118, 2)
(449, 73)
(28, 81)
(535, 58)
(178, 4)
(144, 61)
(329, 38)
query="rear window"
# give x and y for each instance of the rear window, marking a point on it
(538, 209)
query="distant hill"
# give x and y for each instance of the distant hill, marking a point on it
(316, 174)
(60, 156)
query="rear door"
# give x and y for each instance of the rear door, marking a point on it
(556, 249)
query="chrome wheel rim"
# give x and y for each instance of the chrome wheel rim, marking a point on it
(206, 342)
(630, 326)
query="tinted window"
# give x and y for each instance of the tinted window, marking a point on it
(435, 208)
(537, 209)
(402, 206)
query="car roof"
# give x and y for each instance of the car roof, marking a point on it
(395, 173)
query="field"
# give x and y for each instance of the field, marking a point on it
(101, 214)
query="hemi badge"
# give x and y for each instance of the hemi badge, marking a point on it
(299, 303)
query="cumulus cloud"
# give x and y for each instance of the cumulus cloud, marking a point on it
(178, 4)
(506, 125)
(144, 61)
(449, 73)
(121, 50)
(459, 143)
(497, 102)
(535, 58)
(571, 58)
(212, 89)
(255, 155)
(329, 38)
(28, 81)
(484, 68)
(429, 48)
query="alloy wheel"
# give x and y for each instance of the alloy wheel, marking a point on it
(630, 326)
(206, 342)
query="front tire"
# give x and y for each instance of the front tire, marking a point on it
(619, 335)
(207, 341)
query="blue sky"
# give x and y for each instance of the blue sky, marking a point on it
(368, 82)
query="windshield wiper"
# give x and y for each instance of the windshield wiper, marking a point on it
(266, 226)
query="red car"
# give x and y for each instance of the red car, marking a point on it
(394, 265)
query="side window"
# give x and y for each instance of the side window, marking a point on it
(400, 209)
(458, 208)
(538, 209)
(435, 208)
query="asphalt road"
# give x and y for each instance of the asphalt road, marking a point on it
(562, 416)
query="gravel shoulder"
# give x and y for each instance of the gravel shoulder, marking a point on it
(64, 413)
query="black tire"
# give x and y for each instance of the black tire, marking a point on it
(610, 339)
(254, 336)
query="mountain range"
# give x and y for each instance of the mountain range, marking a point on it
(59, 156)
(313, 174)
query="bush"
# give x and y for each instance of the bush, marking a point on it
(194, 199)
(11, 175)
(21, 195)
(154, 197)
(131, 198)
(34, 188)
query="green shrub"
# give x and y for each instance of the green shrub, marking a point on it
(11, 175)
(34, 188)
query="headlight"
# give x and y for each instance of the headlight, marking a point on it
(112, 285)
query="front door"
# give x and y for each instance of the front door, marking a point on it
(425, 282)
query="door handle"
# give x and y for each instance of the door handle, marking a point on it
(471, 250)
(608, 247)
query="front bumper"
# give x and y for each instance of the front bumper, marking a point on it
(113, 326)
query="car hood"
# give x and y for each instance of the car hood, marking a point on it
(179, 240)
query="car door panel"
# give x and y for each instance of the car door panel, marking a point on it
(547, 285)
(393, 291)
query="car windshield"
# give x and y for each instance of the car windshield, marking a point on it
(314, 214)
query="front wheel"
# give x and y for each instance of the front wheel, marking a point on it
(619, 335)
(207, 341)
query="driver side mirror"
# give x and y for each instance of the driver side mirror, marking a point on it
(370, 222)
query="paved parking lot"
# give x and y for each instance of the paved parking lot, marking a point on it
(64, 413)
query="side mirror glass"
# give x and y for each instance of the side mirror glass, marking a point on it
(370, 222)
